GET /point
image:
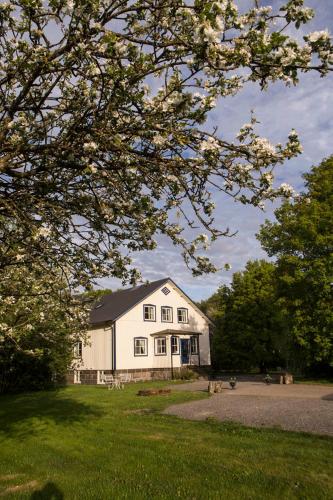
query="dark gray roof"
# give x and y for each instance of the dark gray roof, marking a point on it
(112, 306)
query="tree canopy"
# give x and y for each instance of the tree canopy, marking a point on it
(40, 322)
(302, 241)
(102, 106)
(280, 313)
(250, 327)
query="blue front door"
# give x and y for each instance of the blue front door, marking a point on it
(185, 351)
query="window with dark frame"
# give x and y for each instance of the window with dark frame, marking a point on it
(165, 290)
(166, 314)
(160, 346)
(174, 345)
(140, 346)
(149, 312)
(194, 345)
(182, 315)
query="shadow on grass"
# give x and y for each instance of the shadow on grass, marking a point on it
(49, 492)
(25, 414)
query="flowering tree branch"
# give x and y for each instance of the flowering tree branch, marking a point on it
(95, 159)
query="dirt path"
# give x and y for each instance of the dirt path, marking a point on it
(298, 407)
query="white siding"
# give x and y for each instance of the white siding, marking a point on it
(132, 325)
(97, 353)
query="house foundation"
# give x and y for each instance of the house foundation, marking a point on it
(95, 377)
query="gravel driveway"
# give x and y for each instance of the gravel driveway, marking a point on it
(298, 407)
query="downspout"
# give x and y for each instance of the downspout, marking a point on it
(171, 357)
(199, 350)
(113, 350)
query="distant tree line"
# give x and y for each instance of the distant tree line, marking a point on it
(279, 314)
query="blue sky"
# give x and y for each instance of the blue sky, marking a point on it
(309, 109)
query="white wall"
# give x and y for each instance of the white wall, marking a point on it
(97, 353)
(132, 325)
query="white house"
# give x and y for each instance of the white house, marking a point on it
(148, 331)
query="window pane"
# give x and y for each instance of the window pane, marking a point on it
(182, 315)
(149, 313)
(174, 345)
(140, 347)
(160, 344)
(166, 314)
(194, 345)
(78, 350)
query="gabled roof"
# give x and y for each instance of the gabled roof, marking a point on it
(110, 307)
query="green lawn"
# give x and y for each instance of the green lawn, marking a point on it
(87, 442)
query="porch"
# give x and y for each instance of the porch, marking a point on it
(181, 347)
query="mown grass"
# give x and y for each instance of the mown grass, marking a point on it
(90, 443)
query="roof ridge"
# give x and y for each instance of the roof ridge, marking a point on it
(136, 287)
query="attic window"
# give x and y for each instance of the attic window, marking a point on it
(165, 290)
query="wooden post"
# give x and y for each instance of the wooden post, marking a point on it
(215, 387)
(288, 379)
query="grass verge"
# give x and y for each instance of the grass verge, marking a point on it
(90, 443)
(314, 381)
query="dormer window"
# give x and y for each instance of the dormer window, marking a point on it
(149, 312)
(182, 315)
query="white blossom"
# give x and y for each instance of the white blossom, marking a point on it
(9, 300)
(210, 144)
(159, 140)
(262, 146)
(315, 36)
(94, 70)
(44, 231)
(287, 190)
(90, 146)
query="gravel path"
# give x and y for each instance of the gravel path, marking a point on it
(298, 407)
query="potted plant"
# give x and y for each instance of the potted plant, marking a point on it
(232, 382)
(268, 379)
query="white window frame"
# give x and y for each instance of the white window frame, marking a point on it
(145, 346)
(160, 346)
(78, 347)
(176, 345)
(182, 310)
(77, 377)
(194, 339)
(170, 311)
(149, 307)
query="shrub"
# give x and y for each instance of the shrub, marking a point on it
(187, 374)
